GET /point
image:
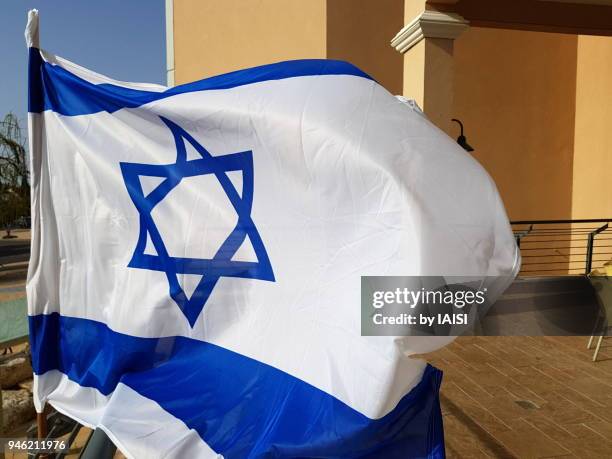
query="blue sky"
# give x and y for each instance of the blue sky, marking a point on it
(124, 39)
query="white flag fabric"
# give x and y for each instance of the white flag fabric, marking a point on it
(194, 284)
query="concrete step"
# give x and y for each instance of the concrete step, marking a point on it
(545, 306)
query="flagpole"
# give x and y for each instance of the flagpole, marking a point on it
(32, 38)
(41, 424)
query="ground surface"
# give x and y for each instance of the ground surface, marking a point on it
(526, 397)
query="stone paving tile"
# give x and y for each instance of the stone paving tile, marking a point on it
(589, 401)
(603, 413)
(468, 385)
(504, 406)
(462, 444)
(520, 392)
(485, 418)
(549, 428)
(564, 412)
(538, 397)
(586, 443)
(603, 428)
(468, 438)
(556, 373)
(565, 456)
(527, 442)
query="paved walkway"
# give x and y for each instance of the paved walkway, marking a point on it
(526, 397)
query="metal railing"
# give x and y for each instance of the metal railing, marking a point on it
(562, 247)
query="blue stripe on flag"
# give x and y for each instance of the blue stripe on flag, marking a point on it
(52, 87)
(241, 407)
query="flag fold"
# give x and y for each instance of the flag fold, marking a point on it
(194, 283)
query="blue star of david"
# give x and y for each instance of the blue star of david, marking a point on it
(221, 265)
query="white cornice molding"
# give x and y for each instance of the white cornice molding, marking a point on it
(429, 24)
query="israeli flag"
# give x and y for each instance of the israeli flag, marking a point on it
(194, 285)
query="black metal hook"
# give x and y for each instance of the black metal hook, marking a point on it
(461, 140)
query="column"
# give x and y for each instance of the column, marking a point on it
(427, 45)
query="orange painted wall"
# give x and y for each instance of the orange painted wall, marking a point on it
(359, 31)
(218, 36)
(515, 93)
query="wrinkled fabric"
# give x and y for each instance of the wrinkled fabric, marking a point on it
(194, 286)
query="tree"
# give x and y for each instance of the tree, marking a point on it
(14, 186)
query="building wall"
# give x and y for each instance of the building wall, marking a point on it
(359, 31)
(515, 93)
(592, 185)
(217, 36)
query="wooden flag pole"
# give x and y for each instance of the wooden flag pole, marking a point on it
(41, 423)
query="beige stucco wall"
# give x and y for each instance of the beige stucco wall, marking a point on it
(428, 68)
(414, 74)
(218, 36)
(514, 91)
(359, 31)
(592, 185)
